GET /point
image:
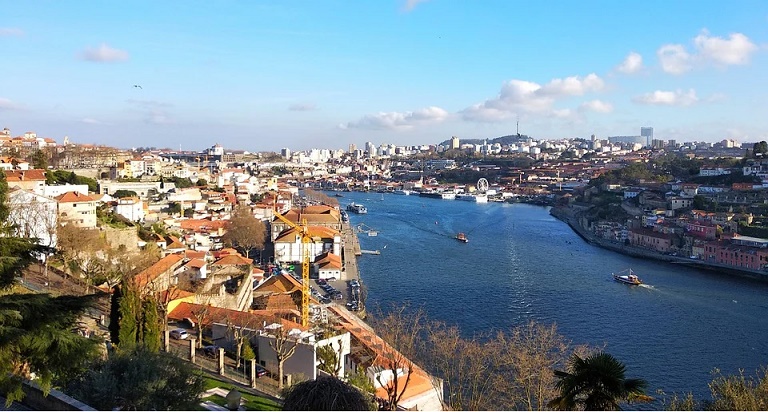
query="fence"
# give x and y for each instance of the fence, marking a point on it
(241, 375)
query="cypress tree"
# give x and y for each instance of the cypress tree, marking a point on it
(151, 325)
(130, 307)
(114, 315)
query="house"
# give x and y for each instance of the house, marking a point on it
(78, 209)
(32, 180)
(131, 208)
(289, 246)
(327, 265)
(650, 239)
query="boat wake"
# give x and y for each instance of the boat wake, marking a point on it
(647, 286)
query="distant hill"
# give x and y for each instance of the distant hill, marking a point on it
(503, 140)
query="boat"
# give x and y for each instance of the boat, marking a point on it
(402, 192)
(470, 197)
(461, 237)
(338, 195)
(627, 276)
(357, 208)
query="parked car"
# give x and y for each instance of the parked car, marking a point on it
(179, 334)
(260, 371)
(211, 350)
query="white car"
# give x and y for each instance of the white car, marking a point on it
(179, 334)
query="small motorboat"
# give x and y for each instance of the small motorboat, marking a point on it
(461, 237)
(627, 276)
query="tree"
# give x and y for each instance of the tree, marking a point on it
(140, 380)
(739, 392)
(400, 328)
(244, 231)
(201, 315)
(78, 248)
(528, 356)
(325, 394)
(329, 359)
(37, 339)
(241, 334)
(15, 253)
(129, 322)
(124, 193)
(596, 383)
(468, 367)
(284, 346)
(760, 148)
(39, 160)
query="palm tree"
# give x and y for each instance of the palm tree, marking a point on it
(596, 383)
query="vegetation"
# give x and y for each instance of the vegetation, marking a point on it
(244, 231)
(326, 394)
(139, 379)
(596, 383)
(60, 177)
(124, 193)
(37, 338)
(252, 402)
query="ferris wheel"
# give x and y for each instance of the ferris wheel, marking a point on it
(482, 184)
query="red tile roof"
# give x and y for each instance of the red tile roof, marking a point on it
(153, 272)
(24, 175)
(73, 197)
(229, 260)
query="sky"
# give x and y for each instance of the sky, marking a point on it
(265, 75)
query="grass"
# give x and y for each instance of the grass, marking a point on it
(252, 402)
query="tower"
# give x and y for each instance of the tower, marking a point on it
(647, 132)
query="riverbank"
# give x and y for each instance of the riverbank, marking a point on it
(570, 217)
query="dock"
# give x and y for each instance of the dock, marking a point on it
(350, 252)
(370, 252)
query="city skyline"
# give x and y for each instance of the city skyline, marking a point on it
(261, 76)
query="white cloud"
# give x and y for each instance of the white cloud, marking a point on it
(668, 98)
(520, 96)
(10, 31)
(398, 120)
(89, 120)
(572, 86)
(596, 106)
(7, 104)
(302, 107)
(674, 59)
(103, 54)
(633, 63)
(411, 4)
(737, 49)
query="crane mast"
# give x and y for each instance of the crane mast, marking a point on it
(306, 239)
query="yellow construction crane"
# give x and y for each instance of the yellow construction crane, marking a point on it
(306, 239)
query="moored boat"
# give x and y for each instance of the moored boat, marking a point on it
(357, 208)
(628, 277)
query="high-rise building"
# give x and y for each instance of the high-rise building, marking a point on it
(352, 148)
(647, 132)
(454, 142)
(285, 152)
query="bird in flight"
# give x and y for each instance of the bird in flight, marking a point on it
(136, 85)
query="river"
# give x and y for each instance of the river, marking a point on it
(522, 264)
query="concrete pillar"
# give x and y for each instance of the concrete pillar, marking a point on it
(221, 361)
(192, 346)
(166, 340)
(253, 373)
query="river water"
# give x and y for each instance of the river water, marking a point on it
(522, 264)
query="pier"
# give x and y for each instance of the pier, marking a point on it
(350, 252)
(370, 252)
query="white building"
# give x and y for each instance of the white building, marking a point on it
(131, 208)
(33, 216)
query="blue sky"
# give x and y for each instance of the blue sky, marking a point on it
(262, 75)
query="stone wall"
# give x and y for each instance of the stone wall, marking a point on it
(116, 237)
